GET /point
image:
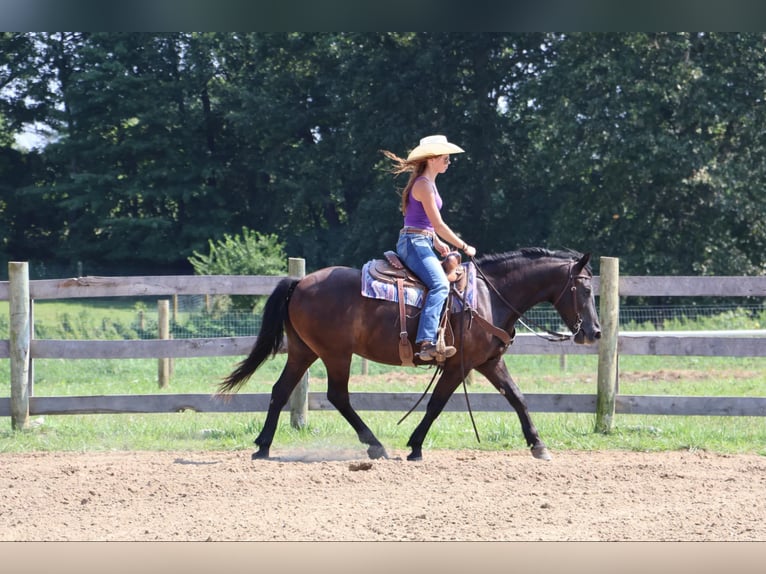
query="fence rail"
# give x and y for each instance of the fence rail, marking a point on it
(745, 343)
(92, 287)
(22, 349)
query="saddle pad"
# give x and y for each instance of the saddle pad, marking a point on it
(414, 296)
(375, 289)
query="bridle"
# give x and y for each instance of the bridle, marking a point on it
(549, 335)
(571, 283)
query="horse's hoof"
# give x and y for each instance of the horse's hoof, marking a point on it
(413, 456)
(260, 454)
(541, 452)
(377, 451)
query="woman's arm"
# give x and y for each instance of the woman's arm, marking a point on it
(424, 193)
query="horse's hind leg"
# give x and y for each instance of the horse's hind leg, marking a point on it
(498, 375)
(299, 358)
(337, 393)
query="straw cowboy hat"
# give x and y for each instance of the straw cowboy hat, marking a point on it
(432, 146)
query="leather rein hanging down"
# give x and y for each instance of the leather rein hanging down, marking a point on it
(499, 333)
(505, 337)
(502, 334)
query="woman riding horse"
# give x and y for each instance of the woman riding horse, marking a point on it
(325, 316)
(424, 231)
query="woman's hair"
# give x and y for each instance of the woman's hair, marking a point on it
(415, 168)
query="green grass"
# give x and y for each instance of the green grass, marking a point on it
(203, 431)
(639, 375)
(535, 374)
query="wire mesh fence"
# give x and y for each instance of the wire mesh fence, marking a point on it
(197, 317)
(638, 318)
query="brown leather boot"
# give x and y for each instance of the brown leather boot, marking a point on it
(428, 351)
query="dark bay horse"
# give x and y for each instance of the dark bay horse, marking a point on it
(326, 317)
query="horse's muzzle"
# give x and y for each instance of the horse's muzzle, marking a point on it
(587, 336)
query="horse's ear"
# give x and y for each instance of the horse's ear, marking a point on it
(582, 262)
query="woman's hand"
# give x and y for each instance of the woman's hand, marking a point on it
(469, 250)
(441, 247)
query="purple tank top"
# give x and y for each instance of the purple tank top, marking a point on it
(416, 215)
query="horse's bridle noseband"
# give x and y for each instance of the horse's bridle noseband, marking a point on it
(571, 283)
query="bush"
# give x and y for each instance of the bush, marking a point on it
(249, 253)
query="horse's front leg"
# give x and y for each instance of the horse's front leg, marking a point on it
(497, 373)
(443, 390)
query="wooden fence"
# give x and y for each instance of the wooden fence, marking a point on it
(22, 349)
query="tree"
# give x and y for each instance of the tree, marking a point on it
(133, 158)
(640, 133)
(648, 147)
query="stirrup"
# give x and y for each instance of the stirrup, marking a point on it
(427, 351)
(443, 351)
(431, 351)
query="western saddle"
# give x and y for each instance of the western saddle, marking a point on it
(392, 270)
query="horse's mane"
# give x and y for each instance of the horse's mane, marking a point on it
(509, 257)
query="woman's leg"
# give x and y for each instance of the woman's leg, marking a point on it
(417, 253)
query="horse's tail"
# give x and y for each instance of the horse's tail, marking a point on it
(269, 339)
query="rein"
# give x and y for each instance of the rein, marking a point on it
(501, 334)
(552, 336)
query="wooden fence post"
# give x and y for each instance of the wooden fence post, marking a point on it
(18, 303)
(163, 322)
(299, 399)
(609, 315)
(31, 377)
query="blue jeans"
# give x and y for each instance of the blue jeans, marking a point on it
(417, 252)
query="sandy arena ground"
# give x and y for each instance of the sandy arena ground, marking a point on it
(341, 496)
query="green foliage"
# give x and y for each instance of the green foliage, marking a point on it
(82, 326)
(727, 320)
(644, 146)
(220, 323)
(732, 319)
(645, 128)
(247, 253)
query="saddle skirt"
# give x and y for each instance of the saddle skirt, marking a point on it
(379, 278)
